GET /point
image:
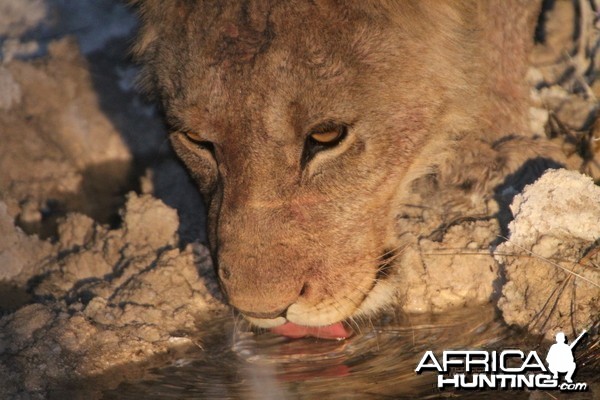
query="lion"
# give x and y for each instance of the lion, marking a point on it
(311, 126)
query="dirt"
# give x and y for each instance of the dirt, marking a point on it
(102, 262)
(58, 160)
(110, 297)
(551, 257)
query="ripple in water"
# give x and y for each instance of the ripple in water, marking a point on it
(376, 363)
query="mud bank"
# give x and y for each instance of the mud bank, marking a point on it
(105, 298)
(552, 256)
(543, 272)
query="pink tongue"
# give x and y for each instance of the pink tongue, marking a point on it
(291, 330)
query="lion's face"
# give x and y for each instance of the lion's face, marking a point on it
(300, 123)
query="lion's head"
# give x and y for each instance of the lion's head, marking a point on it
(304, 124)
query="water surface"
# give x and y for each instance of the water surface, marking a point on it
(376, 363)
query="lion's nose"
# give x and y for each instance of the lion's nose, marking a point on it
(259, 285)
(255, 298)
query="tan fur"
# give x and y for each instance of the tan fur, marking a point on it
(428, 89)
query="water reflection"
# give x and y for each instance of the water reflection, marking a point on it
(377, 363)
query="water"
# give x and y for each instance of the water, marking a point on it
(377, 363)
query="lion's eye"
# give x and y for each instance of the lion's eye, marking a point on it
(193, 136)
(328, 134)
(323, 137)
(326, 137)
(199, 141)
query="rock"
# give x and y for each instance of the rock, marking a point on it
(20, 254)
(455, 272)
(10, 91)
(113, 295)
(551, 256)
(59, 149)
(16, 17)
(149, 222)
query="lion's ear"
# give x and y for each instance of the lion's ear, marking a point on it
(160, 22)
(144, 49)
(157, 17)
(149, 12)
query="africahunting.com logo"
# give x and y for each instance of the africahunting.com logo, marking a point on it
(507, 369)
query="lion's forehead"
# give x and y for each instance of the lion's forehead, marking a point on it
(268, 75)
(242, 30)
(244, 61)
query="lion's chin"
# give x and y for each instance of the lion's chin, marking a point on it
(325, 322)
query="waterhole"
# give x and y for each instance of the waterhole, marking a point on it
(378, 362)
